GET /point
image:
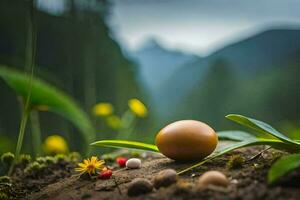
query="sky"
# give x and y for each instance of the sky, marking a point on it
(198, 26)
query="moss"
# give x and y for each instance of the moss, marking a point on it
(135, 154)
(61, 157)
(74, 156)
(235, 162)
(47, 160)
(3, 196)
(34, 166)
(257, 166)
(275, 156)
(7, 158)
(25, 159)
(5, 179)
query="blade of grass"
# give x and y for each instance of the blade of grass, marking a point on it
(126, 144)
(36, 132)
(30, 58)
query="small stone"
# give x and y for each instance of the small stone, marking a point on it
(165, 178)
(133, 163)
(139, 186)
(234, 181)
(215, 178)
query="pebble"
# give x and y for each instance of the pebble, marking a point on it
(234, 181)
(165, 178)
(215, 178)
(133, 163)
(139, 186)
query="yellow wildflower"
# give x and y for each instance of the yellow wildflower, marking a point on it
(90, 166)
(113, 121)
(103, 109)
(55, 144)
(137, 107)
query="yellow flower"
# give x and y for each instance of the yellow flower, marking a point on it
(137, 107)
(55, 144)
(103, 109)
(90, 165)
(113, 121)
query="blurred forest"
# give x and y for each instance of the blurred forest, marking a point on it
(75, 52)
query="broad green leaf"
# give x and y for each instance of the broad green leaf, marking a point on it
(126, 144)
(283, 166)
(50, 99)
(265, 130)
(234, 135)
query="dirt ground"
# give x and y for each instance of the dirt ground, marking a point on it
(247, 182)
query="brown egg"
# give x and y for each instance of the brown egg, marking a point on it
(186, 140)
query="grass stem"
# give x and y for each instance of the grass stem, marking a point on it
(20, 138)
(30, 63)
(36, 132)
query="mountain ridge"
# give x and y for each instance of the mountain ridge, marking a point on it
(267, 49)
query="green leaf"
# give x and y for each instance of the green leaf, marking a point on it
(126, 144)
(283, 166)
(49, 97)
(264, 129)
(234, 135)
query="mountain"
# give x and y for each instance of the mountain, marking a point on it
(157, 63)
(257, 56)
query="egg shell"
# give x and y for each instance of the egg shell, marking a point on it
(133, 163)
(186, 140)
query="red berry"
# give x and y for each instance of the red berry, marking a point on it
(105, 174)
(121, 161)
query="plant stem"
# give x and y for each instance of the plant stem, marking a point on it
(36, 132)
(20, 138)
(127, 124)
(21, 132)
(30, 59)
